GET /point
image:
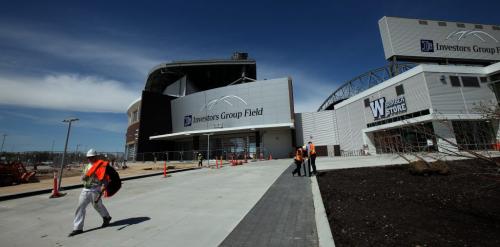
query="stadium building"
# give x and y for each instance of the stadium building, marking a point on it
(441, 80)
(211, 106)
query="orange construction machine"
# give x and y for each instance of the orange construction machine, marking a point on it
(15, 173)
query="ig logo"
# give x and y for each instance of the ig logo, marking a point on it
(426, 45)
(188, 120)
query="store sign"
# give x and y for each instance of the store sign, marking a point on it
(383, 109)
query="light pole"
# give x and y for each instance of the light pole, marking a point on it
(69, 121)
(1, 149)
(77, 146)
(208, 147)
(77, 155)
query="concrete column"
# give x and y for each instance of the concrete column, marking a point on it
(444, 129)
(368, 139)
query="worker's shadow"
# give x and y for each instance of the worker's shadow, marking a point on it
(123, 223)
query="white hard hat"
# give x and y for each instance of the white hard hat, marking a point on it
(91, 153)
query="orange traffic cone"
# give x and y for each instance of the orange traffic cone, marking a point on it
(55, 190)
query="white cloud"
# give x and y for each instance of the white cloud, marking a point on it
(67, 92)
(96, 51)
(107, 125)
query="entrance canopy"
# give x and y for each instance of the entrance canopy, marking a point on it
(184, 134)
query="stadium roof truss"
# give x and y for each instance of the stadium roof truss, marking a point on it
(362, 82)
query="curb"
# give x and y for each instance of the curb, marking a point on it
(325, 237)
(70, 187)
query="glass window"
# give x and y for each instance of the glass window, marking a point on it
(470, 81)
(455, 81)
(400, 90)
(367, 102)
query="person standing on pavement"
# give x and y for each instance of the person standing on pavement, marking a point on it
(200, 160)
(298, 160)
(91, 193)
(311, 153)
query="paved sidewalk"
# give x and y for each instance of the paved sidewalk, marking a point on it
(284, 216)
(331, 163)
(193, 208)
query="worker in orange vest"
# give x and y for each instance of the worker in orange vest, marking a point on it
(93, 186)
(299, 160)
(311, 152)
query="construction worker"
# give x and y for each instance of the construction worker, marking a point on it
(311, 153)
(200, 160)
(299, 160)
(91, 193)
(304, 155)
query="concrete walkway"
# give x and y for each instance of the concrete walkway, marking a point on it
(193, 208)
(284, 216)
(331, 163)
(257, 204)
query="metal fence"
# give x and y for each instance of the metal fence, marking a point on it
(192, 155)
(55, 158)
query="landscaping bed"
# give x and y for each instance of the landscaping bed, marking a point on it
(387, 206)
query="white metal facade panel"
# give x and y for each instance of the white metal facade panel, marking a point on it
(415, 93)
(318, 127)
(278, 143)
(404, 37)
(270, 97)
(357, 123)
(344, 127)
(456, 100)
(354, 117)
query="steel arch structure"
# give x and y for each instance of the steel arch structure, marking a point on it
(364, 81)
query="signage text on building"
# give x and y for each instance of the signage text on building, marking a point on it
(383, 109)
(223, 116)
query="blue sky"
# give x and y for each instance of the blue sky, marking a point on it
(90, 59)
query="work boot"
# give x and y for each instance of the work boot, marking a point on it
(75, 232)
(105, 221)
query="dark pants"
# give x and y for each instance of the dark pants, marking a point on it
(298, 165)
(312, 162)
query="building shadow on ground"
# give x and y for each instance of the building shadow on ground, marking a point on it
(123, 223)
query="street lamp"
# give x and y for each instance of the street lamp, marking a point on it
(1, 149)
(69, 121)
(208, 147)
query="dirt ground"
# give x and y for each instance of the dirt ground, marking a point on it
(386, 206)
(72, 176)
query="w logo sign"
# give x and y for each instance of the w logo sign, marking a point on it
(378, 108)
